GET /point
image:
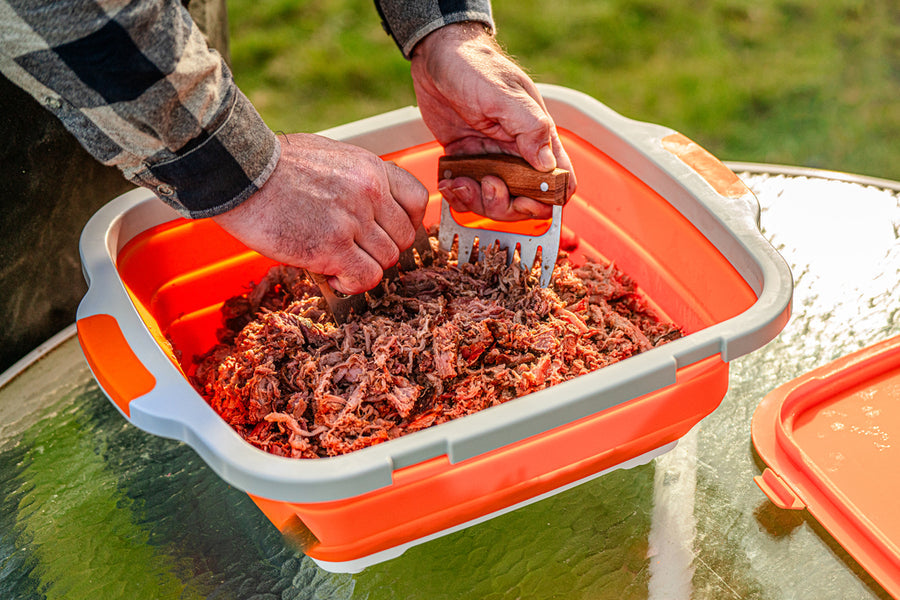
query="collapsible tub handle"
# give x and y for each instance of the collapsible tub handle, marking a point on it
(118, 370)
(721, 178)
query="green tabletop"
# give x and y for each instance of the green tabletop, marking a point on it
(91, 507)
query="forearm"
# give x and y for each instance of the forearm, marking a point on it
(408, 22)
(140, 90)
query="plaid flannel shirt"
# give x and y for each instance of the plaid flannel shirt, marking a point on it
(136, 84)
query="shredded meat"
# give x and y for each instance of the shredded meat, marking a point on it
(444, 341)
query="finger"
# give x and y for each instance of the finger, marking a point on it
(491, 199)
(498, 204)
(409, 193)
(357, 272)
(463, 194)
(534, 132)
(527, 208)
(391, 228)
(380, 246)
(564, 162)
(479, 145)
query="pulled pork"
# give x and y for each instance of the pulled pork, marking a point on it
(444, 341)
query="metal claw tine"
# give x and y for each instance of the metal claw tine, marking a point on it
(548, 261)
(390, 274)
(522, 174)
(422, 245)
(464, 244)
(378, 291)
(339, 305)
(407, 260)
(445, 238)
(527, 254)
(359, 303)
(340, 310)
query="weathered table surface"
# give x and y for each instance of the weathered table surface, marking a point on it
(91, 507)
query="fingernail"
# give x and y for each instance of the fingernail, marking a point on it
(456, 193)
(461, 192)
(488, 193)
(546, 158)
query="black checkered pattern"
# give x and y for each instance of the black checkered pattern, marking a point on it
(137, 85)
(135, 82)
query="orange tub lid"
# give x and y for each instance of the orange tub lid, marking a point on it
(831, 441)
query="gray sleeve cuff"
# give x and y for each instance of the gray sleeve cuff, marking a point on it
(219, 170)
(409, 22)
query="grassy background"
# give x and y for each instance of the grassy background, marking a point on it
(800, 82)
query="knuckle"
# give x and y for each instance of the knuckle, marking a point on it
(369, 187)
(388, 253)
(371, 278)
(392, 258)
(360, 277)
(408, 239)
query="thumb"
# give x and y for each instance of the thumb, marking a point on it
(407, 191)
(535, 137)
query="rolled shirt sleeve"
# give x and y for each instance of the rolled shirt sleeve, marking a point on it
(409, 21)
(137, 85)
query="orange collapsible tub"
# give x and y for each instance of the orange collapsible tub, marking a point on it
(829, 440)
(665, 211)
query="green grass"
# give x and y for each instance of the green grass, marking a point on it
(800, 82)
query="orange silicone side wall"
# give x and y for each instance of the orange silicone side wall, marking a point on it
(435, 495)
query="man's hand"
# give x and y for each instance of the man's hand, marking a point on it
(332, 208)
(475, 100)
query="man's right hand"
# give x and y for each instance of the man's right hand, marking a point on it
(332, 208)
(475, 99)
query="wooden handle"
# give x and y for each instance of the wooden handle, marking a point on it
(520, 177)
